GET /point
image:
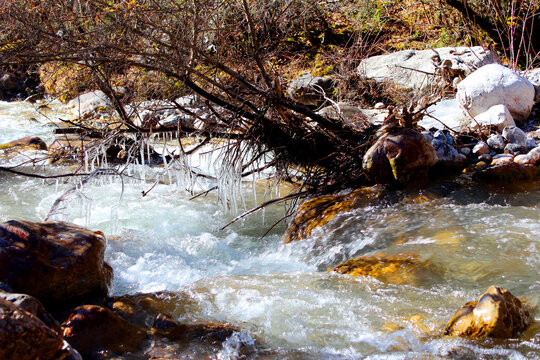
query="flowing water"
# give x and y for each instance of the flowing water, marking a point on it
(281, 294)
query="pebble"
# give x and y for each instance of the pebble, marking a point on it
(530, 144)
(515, 149)
(486, 158)
(514, 135)
(465, 151)
(440, 135)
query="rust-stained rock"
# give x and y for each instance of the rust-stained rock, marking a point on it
(404, 268)
(166, 326)
(497, 314)
(90, 329)
(56, 262)
(320, 210)
(400, 157)
(24, 337)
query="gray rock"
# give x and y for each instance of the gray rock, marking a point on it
(515, 149)
(485, 158)
(428, 135)
(90, 102)
(447, 154)
(411, 69)
(440, 135)
(496, 142)
(530, 144)
(465, 151)
(514, 135)
(311, 90)
(480, 148)
(354, 116)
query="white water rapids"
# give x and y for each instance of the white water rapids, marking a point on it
(281, 294)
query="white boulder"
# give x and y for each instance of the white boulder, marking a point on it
(497, 117)
(495, 84)
(446, 114)
(89, 102)
(415, 69)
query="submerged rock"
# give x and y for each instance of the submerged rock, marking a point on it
(56, 262)
(320, 210)
(91, 329)
(497, 314)
(25, 337)
(168, 327)
(404, 268)
(401, 157)
(495, 84)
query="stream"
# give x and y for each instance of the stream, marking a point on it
(282, 294)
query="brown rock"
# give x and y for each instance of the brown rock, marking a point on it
(32, 142)
(33, 306)
(404, 268)
(320, 210)
(497, 314)
(24, 337)
(90, 329)
(166, 326)
(56, 262)
(400, 157)
(508, 173)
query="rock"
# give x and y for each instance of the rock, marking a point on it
(530, 144)
(399, 158)
(90, 102)
(480, 148)
(496, 142)
(311, 90)
(428, 135)
(440, 135)
(448, 156)
(379, 106)
(507, 172)
(514, 135)
(9, 82)
(166, 326)
(91, 329)
(485, 158)
(32, 142)
(465, 151)
(502, 159)
(56, 262)
(24, 337)
(353, 116)
(495, 84)
(497, 314)
(407, 69)
(400, 269)
(496, 117)
(524, 160)
(515, 149)
(33, 306)
(535, 154)
(446, 114)
(320, 210)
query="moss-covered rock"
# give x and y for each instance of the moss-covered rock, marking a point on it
(497, 314)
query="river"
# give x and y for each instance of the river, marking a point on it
(281, 294)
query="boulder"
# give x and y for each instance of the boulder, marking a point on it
(25, 337)
(420, 69)
(497, 314)
(166, 326)
(496, 117)
(33, 306)
(507, 171)
(56, 262)
(445, 114)
(320, 210)
(400, 269)
(514, 135)
(495, 84)
(90, 102)
(399, 157)
(311, 90)
(91, 329)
